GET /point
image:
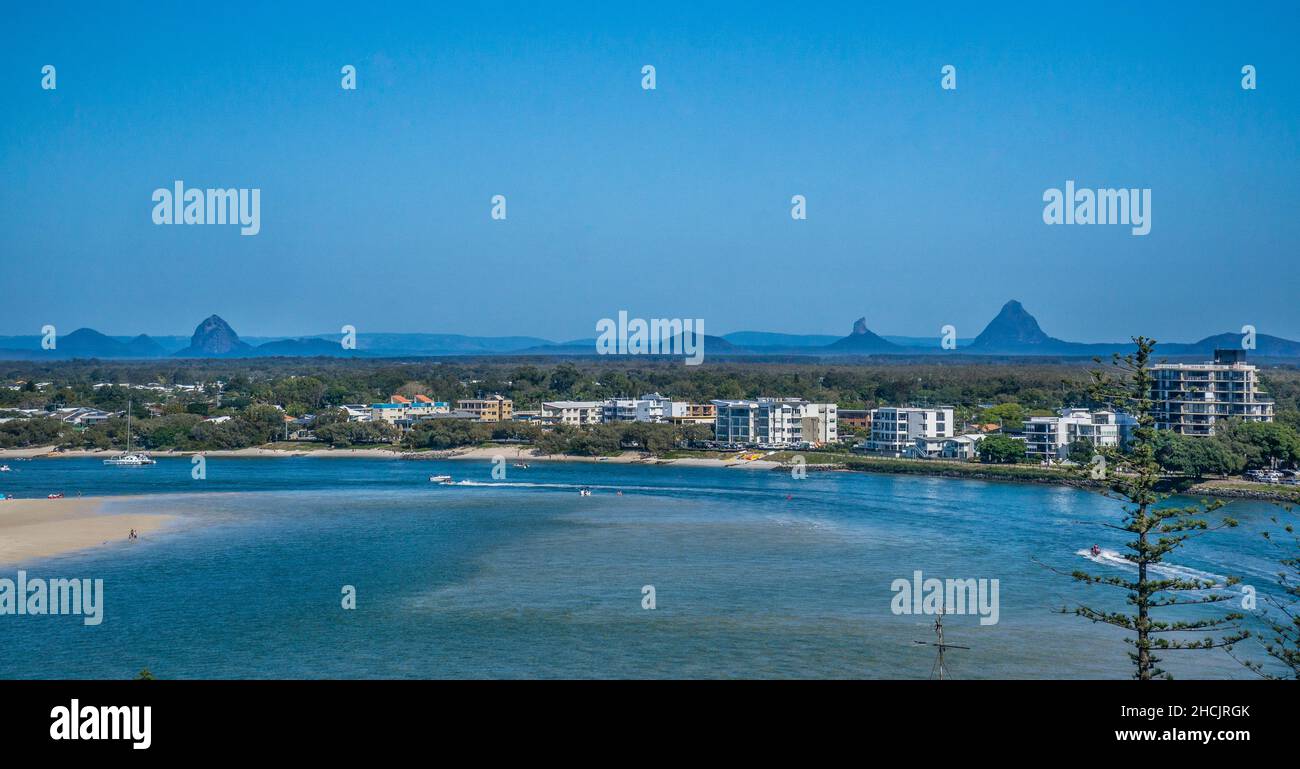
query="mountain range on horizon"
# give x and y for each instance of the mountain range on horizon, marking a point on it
(1013, 332)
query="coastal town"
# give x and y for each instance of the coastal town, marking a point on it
(1188, 401)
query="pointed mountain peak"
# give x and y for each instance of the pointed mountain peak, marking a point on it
(863, 340)
(1013, 328)
(214, 336)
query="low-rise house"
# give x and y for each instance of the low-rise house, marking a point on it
(82, 416)
(357, 412)
(964, 447)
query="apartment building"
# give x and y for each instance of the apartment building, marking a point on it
(572, 412)
(894, 430)
(693, 413)
(774, 422)
(407, 410)
(652, 407)
(1049, 438)
(494, 408)
(857, 420)
(1190, 397)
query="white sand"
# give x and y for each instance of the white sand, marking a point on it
(38, 528)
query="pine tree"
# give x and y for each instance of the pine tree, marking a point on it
(1132, 475)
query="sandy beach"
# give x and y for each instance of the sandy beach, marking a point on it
(484, 453)
(39, 528)
(525, 454)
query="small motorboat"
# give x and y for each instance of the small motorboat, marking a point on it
(54, 496)
(6, 469)
(136, 459)
(521, 465)
(1096, 551)
(584, 492)
(444, 480)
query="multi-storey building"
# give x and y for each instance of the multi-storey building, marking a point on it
(494, 408)
(1190, 397)
(407, 410)
(572, 412)
(774, 422)
(693, 413)
(894, 430)
(857, 420)
(1048, 438)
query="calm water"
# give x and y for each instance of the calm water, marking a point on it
(756, 574)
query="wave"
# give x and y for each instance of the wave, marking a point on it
(611, 487)
(1167, 570)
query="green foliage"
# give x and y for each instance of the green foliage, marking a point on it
(1157, 530)
(1000, 449)
(41, 431)
(1081, 451)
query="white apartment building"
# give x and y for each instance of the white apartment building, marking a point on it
(648, 408)
(774, 422)
(894, 430)
(1049, 438)
(399, 408)
(1190, 397)
(572, 412)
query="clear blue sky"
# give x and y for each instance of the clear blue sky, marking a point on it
(924, 205)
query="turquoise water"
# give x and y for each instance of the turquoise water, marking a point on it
(756, 574)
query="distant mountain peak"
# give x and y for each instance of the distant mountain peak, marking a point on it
(1013, 327)
(212, 337)
(862, 340)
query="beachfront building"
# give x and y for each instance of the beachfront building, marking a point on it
(407, 410)
(1049, 438)
(82, 416)
(1190, 397)
(964, 447)
(494, 408)
(894, 430)
(855, 420)
(774, 422)
(692, 413)
(357, 412)
(648, 408)
(572, 412)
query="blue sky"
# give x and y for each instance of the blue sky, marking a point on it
(924, 205)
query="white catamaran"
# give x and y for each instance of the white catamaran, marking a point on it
(129, 459)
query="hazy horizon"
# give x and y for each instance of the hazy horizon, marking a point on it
(925, 206)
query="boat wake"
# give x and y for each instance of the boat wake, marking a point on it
(1166, 570)
(596, 486)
